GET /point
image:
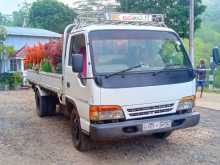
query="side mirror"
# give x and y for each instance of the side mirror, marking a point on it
(77, 63)
(215, 55)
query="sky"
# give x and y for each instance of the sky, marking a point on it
(8, 6)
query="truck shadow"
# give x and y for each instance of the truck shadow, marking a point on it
(143, 144)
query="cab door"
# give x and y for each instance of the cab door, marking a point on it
(76, 88)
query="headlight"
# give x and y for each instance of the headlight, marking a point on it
(186, 103)
(106, 112)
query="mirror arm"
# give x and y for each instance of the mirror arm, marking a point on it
(85, 78)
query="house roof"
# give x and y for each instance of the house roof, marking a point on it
(20, 31)
(20, 53)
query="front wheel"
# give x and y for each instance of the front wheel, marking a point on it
(80, 140)
(162, 135)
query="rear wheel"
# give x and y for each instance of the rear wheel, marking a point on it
(45, 105)
(80, 140)
(162, 135)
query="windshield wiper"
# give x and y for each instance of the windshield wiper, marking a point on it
(123, 71)
(168, 67)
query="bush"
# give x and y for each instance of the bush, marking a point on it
(17, 79)
(11, 80)
(48, 56)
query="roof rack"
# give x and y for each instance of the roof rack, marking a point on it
(115, 18)
(111, 18)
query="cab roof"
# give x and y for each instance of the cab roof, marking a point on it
(121, 27)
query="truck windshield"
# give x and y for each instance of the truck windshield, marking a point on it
(116, 50)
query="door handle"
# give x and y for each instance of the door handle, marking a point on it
(68, 84)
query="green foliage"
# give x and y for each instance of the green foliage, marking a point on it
(17, 79)
(209, 35)
(45, 66)
(30, 66)
(11, 80)
(91, 5)
(6, 50)
(5, 20)
(217, 79)
(20, 17)
(176, 11)
(202, 50)
(171, 54)
(9, 50)
(87, 5)
(212, 14)
(51, 15)
(4, 78)
(2, 19)
(3, 34)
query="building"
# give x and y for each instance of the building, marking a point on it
(19, 38)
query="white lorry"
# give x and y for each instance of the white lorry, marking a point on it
(132, 78)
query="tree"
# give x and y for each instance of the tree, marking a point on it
(212, 14)
(51, 15)
(91, 5)
(5, 50)
(3, 34)
(176, 12)
(1, 19)
(20, 17)
(4, 19)
(87, 5)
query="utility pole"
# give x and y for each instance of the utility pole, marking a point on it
(191, 30)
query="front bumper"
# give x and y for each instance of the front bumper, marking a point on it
(132, 128)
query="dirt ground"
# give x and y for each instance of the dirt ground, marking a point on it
(26, 139)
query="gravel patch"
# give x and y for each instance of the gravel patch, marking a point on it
(27, 139)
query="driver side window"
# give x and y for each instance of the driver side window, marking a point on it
(78, 46)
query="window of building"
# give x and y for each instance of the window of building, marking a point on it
(15, 65)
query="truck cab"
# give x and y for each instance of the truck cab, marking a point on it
(127, 76)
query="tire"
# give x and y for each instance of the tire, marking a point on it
(81, 141)
(162, 135)
(45, 105)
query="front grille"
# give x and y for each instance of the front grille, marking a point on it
(151, 110)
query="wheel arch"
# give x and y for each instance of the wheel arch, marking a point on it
(72, 105)
(41, 91)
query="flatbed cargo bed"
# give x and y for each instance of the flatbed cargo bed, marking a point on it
(49, 81)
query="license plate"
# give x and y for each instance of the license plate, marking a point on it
(157, 125)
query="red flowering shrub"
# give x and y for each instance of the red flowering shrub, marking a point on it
(34, 54)
(37, 54)
(53, 50)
